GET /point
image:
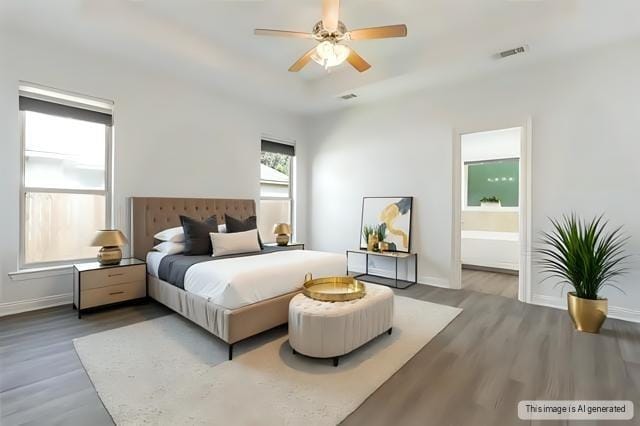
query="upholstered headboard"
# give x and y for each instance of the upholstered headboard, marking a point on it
(150, 215)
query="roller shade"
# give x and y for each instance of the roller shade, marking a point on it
(51, 108)
(278, 148)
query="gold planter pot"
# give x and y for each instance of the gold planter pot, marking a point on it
(587, 315)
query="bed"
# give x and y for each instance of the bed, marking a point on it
(232, 298)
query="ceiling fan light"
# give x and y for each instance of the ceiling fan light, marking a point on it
(329, 54)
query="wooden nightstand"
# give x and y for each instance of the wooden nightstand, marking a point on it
(97, 285)
(290, 246)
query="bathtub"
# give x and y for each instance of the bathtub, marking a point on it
(491, 249)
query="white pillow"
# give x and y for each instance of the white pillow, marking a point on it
(169, 248)
(234, 243)
(222, 228)
(175, 235)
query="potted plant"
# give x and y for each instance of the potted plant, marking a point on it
(492, 201)
(370, 234)
(587, 257)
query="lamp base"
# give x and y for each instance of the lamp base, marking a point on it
(282, 239)
(110, 255)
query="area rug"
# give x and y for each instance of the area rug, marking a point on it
(168, 371)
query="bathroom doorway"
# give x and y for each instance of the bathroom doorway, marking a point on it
(491, 189)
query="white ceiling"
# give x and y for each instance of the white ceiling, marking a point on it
(212, 41)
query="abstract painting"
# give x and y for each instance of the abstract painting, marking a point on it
(392, 216)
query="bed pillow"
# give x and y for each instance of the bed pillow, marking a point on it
(174, 235)
(196, 235)
(222, 228)
(168, 247)
(234, 243)
(237, 225)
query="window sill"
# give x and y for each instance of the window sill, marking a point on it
(38, 273)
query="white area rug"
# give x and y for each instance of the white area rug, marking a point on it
(169, 371)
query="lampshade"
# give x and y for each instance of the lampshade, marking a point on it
(109, 238)
(282, 229)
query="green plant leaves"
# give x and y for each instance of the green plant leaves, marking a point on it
(582, 254)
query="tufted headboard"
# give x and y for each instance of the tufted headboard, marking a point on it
(150, 215)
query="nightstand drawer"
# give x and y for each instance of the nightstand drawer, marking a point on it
(112, 276)
(112, 294)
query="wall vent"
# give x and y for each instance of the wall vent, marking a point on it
(511, 52)
(348, 96)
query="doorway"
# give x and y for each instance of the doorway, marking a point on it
(491, 218)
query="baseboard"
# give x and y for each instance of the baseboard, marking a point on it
(616, 312)
(490, 269)
(10, 308)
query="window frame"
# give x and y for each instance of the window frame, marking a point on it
(291, 195)
(107, 191)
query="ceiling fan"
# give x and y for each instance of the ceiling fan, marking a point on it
(330, 33)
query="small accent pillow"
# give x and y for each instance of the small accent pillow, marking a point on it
(174, 235)
(234, 243)
(196, 235)
(222, 228)
(237, 225)
(169, 248)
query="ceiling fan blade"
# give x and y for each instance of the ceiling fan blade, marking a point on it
(330, 14)
(379, 32)
(304, 60)
(357, 62)
(279, 33)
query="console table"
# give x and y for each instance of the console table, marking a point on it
(378, 279)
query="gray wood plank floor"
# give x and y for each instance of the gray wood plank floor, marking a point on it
(497, 352)
(497, 283)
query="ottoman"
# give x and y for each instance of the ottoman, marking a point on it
(331, 329)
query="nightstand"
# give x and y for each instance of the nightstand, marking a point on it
(290, 246)
(100, 285)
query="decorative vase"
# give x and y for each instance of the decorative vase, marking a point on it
(490, 204)
(586, 314)
(372, 242)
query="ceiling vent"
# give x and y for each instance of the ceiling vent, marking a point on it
(348, 96)
(515, 51)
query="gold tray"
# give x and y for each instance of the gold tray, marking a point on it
(333, 289)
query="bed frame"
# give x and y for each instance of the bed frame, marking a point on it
(151, 215)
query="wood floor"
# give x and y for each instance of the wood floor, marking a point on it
(497, 352)
(499, 284)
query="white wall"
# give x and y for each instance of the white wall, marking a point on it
(585, 112)
(491, 145)
(172, 138)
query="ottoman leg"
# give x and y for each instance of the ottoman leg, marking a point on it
(336, 360)
(390, 330)
(294, 351)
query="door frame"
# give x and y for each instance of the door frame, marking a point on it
(524, 281)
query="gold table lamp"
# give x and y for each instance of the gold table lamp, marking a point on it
(110, 240)
(282, 232)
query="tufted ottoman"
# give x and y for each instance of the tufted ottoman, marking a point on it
(331, 329)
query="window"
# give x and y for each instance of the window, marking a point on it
(65, 191)
(277, 161)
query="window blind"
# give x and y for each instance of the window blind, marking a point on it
(52, 108)
(278, 148)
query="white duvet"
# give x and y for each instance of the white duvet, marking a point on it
(242, 281)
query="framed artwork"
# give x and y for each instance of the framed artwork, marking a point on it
(390, 217)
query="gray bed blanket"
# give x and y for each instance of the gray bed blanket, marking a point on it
(174, 267)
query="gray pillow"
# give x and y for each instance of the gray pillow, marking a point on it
(196, 235)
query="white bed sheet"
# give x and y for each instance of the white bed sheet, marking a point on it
(153, 262)
(242, 281)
